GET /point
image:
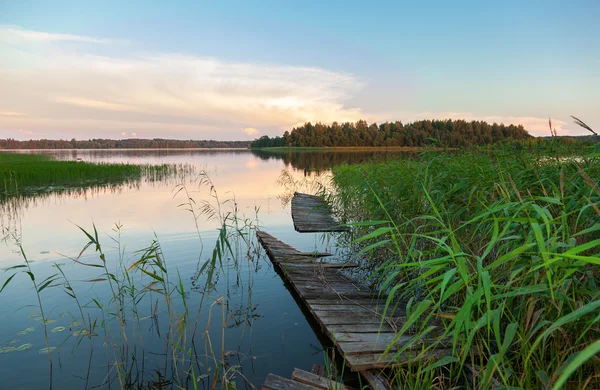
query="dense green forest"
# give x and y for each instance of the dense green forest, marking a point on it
(452, 133)
(133, 143)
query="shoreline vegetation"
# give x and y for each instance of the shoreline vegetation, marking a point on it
(444, 133)
(496, 253)
(26, 173)
(132, 143)
(350, 148)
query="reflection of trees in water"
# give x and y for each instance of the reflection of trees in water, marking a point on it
(316, 183)
(316, 167)
(14, 204)
(104, 154)
(320, 161)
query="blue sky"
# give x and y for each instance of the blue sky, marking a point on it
(236, 70)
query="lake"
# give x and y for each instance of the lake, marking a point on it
(243, 323)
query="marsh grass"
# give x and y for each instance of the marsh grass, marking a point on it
(496, 253)
(38, 173)
(142, 290)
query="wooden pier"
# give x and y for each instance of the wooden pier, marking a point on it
(349, 313)
(311, 214)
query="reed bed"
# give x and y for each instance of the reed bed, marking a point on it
(35, 173)
(496, 253)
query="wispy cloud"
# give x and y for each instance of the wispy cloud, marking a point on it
(70, 87)
(14, 34)
(10, 113)
(175, 90)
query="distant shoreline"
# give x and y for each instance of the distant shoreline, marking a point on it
(351, 148)
(111, 149)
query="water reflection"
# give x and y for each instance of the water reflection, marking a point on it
(310, 162)
(242, 325)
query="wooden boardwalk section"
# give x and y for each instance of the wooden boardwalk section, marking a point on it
(311, 214)
(302, 380)
(349, 313)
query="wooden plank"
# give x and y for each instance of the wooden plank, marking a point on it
(319, 382)
(344, 301)
(319, 370)
(367, 308)
(275, 382)
(316, 254)
(362, 362)
(324, 265)
(311, 213)
(376, 380)
(349, 319)
(364, 337)
(358, 328)
(358, 348)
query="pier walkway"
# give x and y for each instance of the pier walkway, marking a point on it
(311, 214)
(349, 313)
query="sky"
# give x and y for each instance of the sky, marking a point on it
(236, 70)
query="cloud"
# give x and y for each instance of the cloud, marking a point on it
(251, 131)
(14, 34)
(173, 91)
(25, 131)
(84, 91)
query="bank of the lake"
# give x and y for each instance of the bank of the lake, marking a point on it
(350, 149)
(498, 249)
(25, 173)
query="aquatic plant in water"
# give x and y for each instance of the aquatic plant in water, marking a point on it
(144, 279)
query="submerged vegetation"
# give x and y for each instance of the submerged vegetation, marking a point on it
(497, 254)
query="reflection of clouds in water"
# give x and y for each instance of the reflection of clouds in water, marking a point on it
(252, 163)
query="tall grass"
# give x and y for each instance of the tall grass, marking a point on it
(34, 173)
(134, 291)
(496, 253)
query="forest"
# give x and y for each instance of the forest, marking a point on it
(450, 133)
(132, 143)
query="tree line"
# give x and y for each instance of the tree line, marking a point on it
(451, 133)
(132, 143)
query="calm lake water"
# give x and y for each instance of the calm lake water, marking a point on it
(264, 332)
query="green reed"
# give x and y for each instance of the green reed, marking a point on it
(496, 253)
(34, 173)
(143, 287)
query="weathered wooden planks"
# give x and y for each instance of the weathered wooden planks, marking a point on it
(302, 380)
(315, 380)
(349, 313)
(311, 213)
(275, 382)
